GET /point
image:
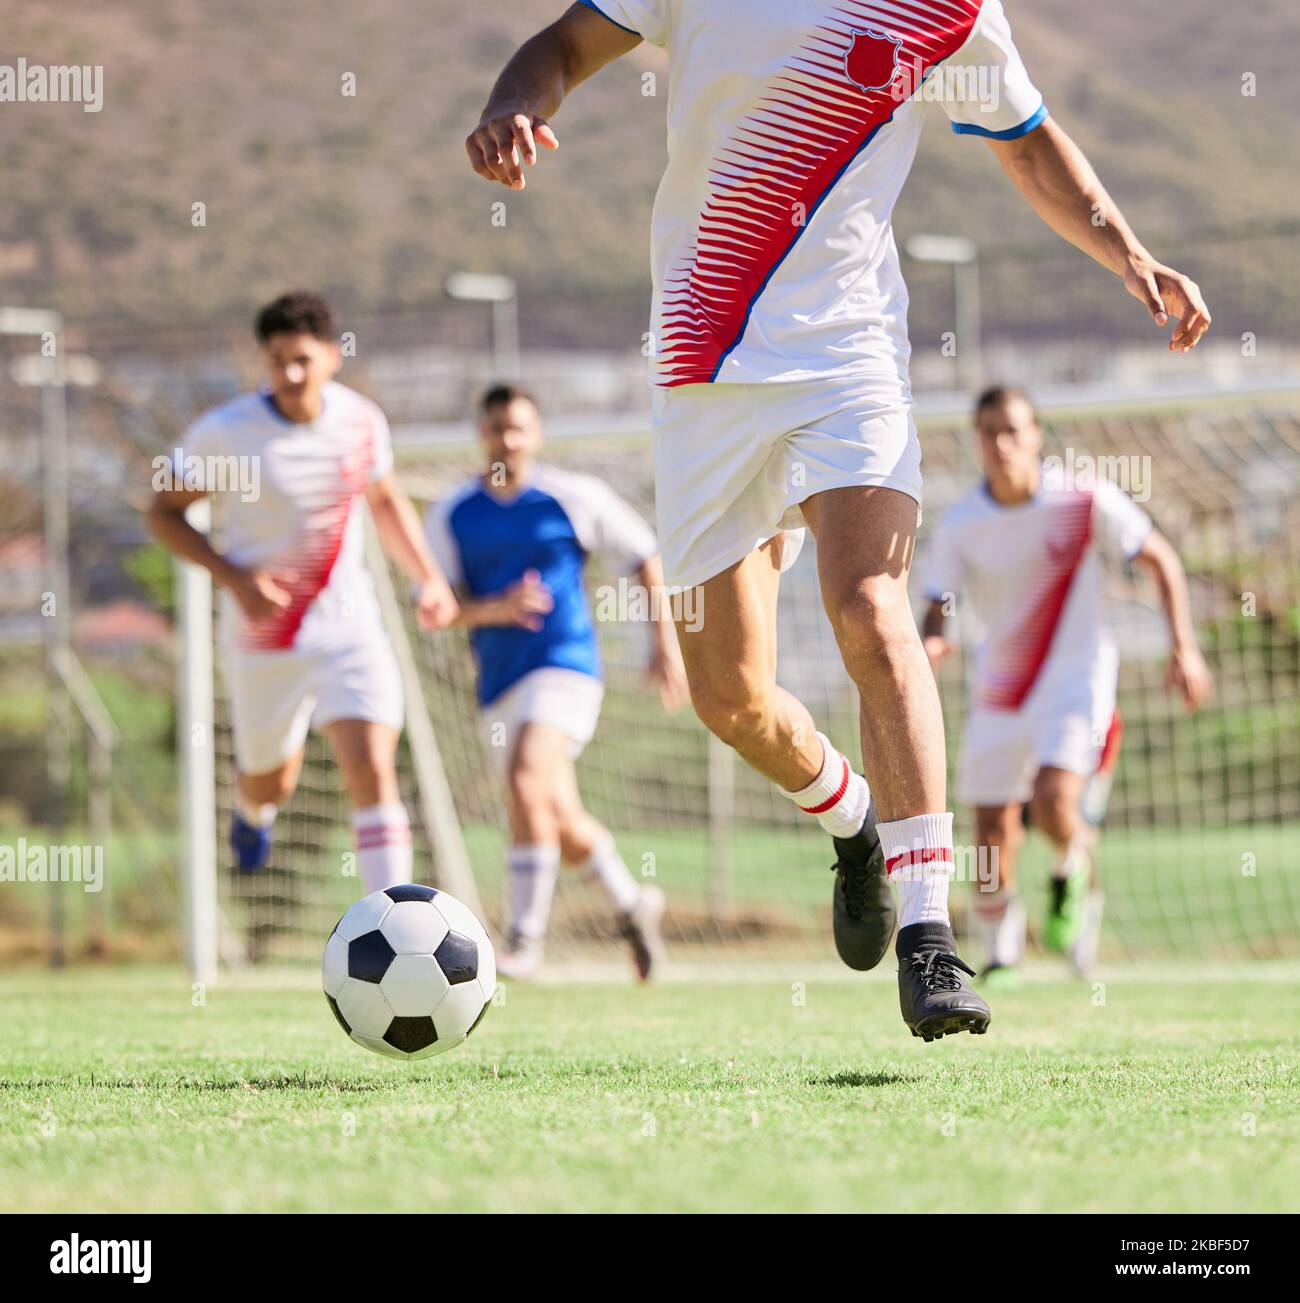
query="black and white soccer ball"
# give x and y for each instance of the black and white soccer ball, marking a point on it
(409, 972)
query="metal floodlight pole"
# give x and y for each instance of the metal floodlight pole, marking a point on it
(962, 255)
(503, 294)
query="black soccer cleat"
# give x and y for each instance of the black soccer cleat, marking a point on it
(862, 911)
(933, 991)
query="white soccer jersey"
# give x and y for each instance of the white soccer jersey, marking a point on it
(1032, 575)
(792, 125)
(305, 520)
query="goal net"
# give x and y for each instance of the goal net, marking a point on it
(1199, 852)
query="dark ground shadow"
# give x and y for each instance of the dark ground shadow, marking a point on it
(855, 1080)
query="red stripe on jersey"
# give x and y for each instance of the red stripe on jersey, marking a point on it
(785, 158)
(316, 551)
(1016, 664)
(1110, 749)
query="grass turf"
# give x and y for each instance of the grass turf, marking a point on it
(117, 1093)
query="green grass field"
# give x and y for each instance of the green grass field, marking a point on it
(117, 1093)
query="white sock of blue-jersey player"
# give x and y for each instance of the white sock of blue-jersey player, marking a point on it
(533, 871)
(606, 866)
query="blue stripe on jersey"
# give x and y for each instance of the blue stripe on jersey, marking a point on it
(498, 541)
(1011, 133)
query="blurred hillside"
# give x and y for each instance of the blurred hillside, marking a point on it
(239, 106)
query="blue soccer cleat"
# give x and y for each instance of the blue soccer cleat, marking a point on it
(251, 844)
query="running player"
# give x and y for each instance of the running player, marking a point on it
(1023, 553)
(780, 356)
(300, 640)
(514, 541)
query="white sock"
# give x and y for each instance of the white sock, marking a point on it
(533, 870)
(383, 837)
(1084, 950)
(918, 856)
(255, 812)
(838, 796)
(606, 865)
(1001, 927)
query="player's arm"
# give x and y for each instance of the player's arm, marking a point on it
(1187, 669)
(1050, 170)
(399, 531)
(532, 87)
(937, 646)
(260, 593)
(666, 670)
(524, 605)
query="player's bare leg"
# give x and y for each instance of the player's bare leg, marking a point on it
(1055, 811)
(367, 757)
(534, 855)
(730, 656)
(865, 541)
(730, 659)
(999, 911)
(587, 845)
(260, 797)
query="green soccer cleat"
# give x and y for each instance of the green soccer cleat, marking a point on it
(1001, 977)
(1066, 906)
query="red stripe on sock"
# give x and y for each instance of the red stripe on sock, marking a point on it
(826, 805)
(372, 837)
(924, 855)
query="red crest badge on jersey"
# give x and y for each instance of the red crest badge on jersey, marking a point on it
(871, 61)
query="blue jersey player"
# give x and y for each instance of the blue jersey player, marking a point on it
(514, 542)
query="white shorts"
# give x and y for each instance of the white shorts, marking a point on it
(1003, 750)
(275, 697)
(566, 699)
(733, 462)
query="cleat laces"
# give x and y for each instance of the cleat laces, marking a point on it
(935, 969)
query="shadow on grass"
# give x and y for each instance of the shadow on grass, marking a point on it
(856, 1080)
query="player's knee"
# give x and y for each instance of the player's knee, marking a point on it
(875, 626)
(1001, 829)
(273, 788)
(1054, 811)
(531, 789)
(731, 716)
(576, 841)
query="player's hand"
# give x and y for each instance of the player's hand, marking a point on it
(1168, 293)
(667, 672)
(1189, 674)
(936, 650)
(506, 142)
(262, 593)
(526, 603)
(436, 606)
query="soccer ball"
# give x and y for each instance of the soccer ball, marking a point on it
(409, 972)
